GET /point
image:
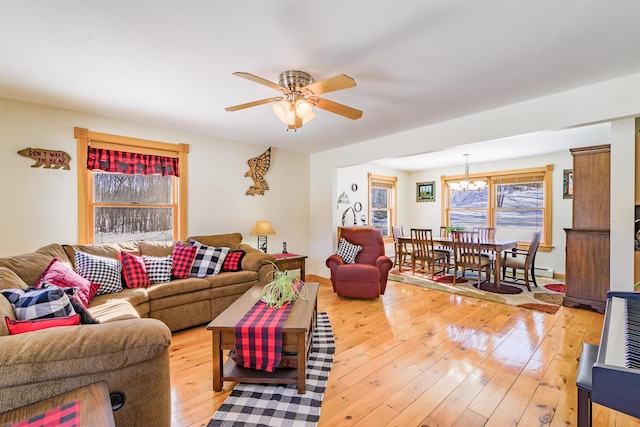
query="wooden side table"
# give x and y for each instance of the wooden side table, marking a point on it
(291, 262)
(94, 407)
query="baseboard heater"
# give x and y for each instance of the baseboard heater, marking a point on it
(544, 271)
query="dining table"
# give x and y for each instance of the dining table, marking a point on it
(492, 245)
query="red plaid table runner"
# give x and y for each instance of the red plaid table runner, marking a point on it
(63, 416)
(259, 336)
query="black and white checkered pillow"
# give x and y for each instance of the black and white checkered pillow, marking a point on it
(158, 268)
(208, 260)
(348, 251)
(107, 272)
(30, 303)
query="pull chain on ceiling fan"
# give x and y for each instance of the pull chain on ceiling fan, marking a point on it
(295, 108)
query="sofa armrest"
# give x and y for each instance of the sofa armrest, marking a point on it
(68, 351)
(259, 261)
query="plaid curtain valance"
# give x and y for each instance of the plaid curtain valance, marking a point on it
(131, 163)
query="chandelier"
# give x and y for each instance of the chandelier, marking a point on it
(466, 184)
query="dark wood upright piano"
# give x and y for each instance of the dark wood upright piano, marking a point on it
(616, 372)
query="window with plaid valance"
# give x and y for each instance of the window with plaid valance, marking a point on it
(131, 163)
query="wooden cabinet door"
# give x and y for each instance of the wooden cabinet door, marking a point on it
(591, 187)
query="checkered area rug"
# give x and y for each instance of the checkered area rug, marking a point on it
(281, 405)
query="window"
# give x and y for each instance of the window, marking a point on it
(130, 189)
(382, 203)
(516, 203)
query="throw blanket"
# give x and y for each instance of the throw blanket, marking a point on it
(259, 336)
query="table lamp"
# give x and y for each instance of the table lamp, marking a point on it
(262, 229)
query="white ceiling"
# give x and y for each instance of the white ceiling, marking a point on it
(415, 62)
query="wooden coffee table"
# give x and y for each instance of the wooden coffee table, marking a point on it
(297, 337)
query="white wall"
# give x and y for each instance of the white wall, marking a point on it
(358, 175)
(39, 206)
(605, 101)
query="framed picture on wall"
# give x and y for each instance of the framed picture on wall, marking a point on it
(567, 184)
(426, 191)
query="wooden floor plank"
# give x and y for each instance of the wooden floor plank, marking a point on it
(422, 357)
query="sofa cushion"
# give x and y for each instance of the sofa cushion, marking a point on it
(233, 261)
(158, 268)
(61, 274)
(153, 248)
(21, 326)
(114, 310)
(348, 251)
(182, 260)
(29, 267)
(231, 240)
(106, 272)
(177, 286)
(136, 297)
(10, 280)
(109, 250)
(134, 271)
(29, 304)
(208, 260)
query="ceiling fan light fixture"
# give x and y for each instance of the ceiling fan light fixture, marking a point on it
(282, 109)
(304, 109)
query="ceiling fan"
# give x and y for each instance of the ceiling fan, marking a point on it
(295, 108)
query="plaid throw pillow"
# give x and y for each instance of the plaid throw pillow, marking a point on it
(208, 260)
(106, 272)
(233, 261)
(31, 303)
(348, 251)
(182, 257)
(134, 271)
(60, 274)
(158, 269)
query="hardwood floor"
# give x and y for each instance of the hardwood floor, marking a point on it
(417, 357)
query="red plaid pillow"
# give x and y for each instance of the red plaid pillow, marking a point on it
(233, 260)
(134, 271)
(182, 259)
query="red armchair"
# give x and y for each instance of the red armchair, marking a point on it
(367, 277)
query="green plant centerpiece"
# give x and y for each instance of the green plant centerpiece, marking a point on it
(451, 228)
(284, 288)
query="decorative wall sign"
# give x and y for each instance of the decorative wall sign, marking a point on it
(51, 159)
(357, 207)
(354, 187)
(258, 167)
(567, 184)
(426, 191)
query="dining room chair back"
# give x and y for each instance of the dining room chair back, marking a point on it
(422, 251)
(466, 255)
(520, 259)
(401, 250)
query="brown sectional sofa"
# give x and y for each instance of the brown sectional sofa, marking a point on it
(129, 349)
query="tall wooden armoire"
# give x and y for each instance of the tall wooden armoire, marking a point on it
(587, 257)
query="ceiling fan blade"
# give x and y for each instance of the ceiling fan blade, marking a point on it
(253, 104)
(341, 81)
(262, 81)
(336, 108)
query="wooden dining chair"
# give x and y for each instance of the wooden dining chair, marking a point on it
(400, 248)
(422, 251)
(487, 233)
(520, 259)
(466, 255)
(447, 250)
